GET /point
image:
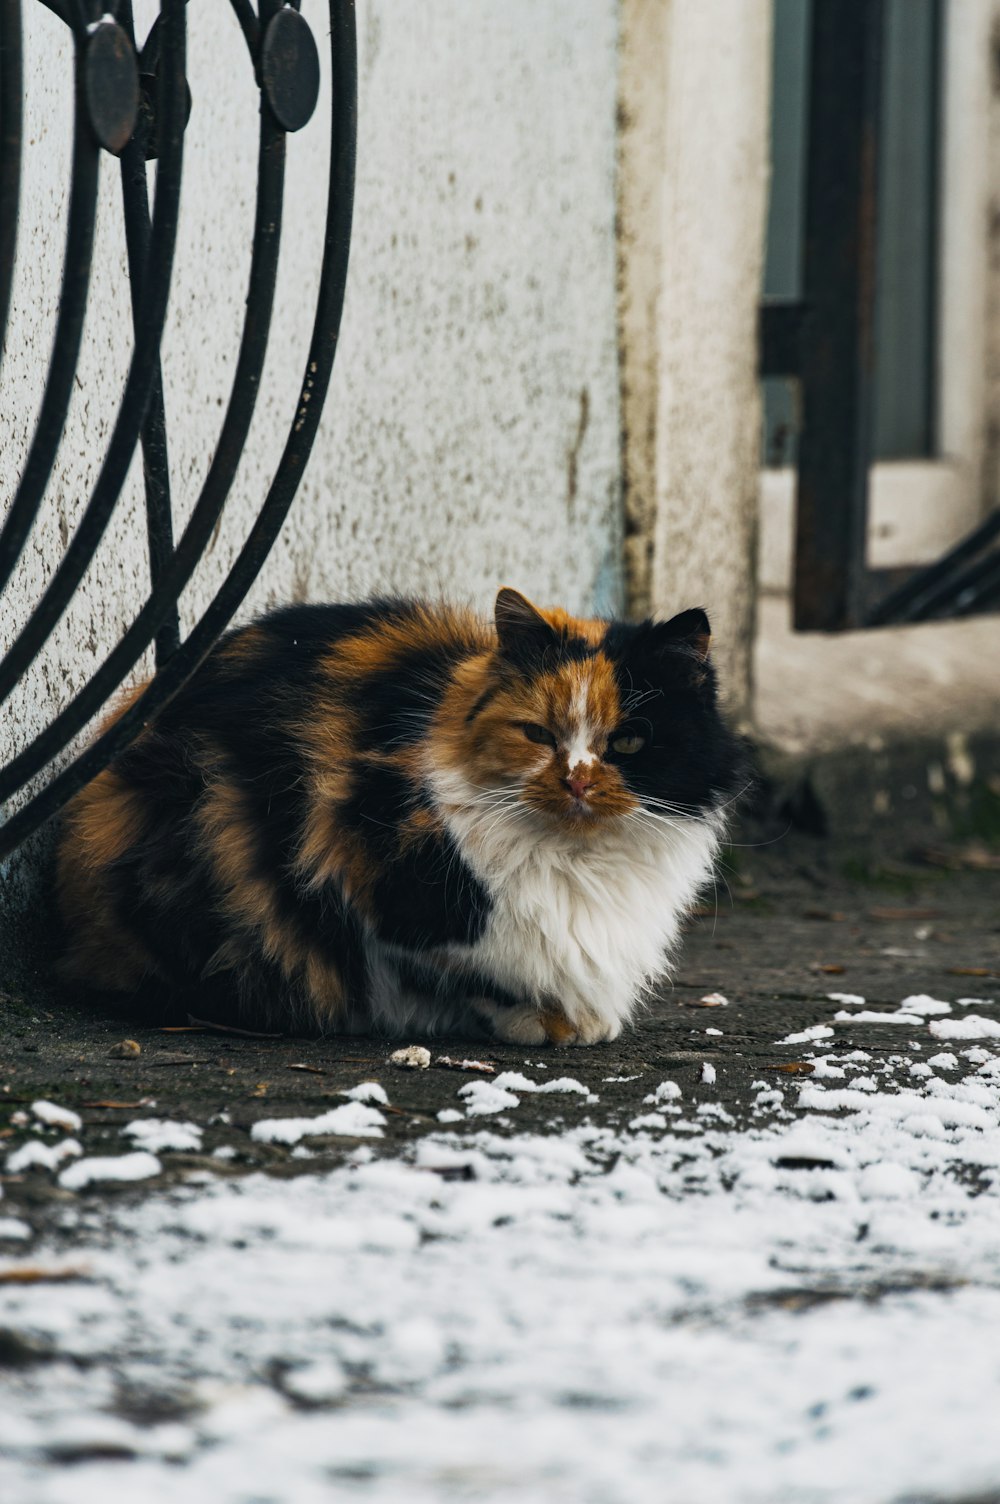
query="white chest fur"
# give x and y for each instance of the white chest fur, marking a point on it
(584, 922)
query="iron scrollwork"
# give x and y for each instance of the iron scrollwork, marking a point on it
(134, 103)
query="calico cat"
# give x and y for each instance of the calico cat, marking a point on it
(399, 817)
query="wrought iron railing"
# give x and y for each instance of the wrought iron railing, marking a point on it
(133, 101)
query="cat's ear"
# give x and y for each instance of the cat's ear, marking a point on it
(523, 632)
(689, 631)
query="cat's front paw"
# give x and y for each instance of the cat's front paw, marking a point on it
(548, 1024)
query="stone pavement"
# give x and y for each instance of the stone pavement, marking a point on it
(747, 1252)
(787, 928)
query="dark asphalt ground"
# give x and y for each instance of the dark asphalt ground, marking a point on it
(790, 925)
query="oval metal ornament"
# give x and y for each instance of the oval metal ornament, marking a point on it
(111, 84)
(289, 69)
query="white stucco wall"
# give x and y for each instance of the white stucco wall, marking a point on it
(471, 435)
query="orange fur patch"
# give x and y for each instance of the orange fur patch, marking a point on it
(493, 751)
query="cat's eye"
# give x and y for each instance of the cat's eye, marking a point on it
(536, 733)
(627, 745)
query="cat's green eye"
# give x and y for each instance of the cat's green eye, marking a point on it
(539, 734)
(627, 745)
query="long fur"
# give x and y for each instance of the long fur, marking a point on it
(398, 816)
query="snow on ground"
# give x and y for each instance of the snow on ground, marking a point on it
(678, 1309)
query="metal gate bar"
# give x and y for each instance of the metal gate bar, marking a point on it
(288, 75)
(826, 340)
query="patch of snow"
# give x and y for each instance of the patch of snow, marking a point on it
(379, 1331)
(849, 999)
(316, 1383)
(13, 1229)
(54, 1116)
(105, 1169)
(924, 1005)
(946, 1061)
(870, 1016)
(890, 1182)
(161, 1135)
(708, 1073)
(514, 1081)
(485, 1097)
(367, 1091)
(817, 1031)
(648, 1120)
(44, 1156)
(972, 1026)
(667, 1091)
(352, 1120)
(450, 1115)
(822, 1065)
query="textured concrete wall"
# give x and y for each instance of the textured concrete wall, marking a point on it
(471, 436)
(693, 199)
(642, 176)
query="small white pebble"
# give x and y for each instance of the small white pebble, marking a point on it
(714, 1031)
(714, 1000)
(413, 1057)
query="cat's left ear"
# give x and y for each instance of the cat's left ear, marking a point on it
(522, 630)
(689, 631)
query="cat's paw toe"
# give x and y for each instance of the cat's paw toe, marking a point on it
(514, 1025)
(586, 1026)
(594, 1028)
(548, 1025)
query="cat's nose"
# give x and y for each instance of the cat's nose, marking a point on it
(578, 787)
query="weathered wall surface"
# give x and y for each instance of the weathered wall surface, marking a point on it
(693, 198)
(642, 173)
(471, 435)
(708, 430)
